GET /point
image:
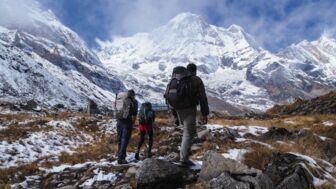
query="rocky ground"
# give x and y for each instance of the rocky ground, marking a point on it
(71, 150)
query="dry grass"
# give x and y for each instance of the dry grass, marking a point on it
(5, 186)
(15, 132)
(289, 122)
(17, 174)
(258, 158)
(326, 186)
(96, 151)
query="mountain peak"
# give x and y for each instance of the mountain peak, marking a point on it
(235, 28)
(186, 17)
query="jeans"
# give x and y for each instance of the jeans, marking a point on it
(187, 117)
(124, 129)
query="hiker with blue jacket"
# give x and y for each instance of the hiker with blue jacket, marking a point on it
(126, 109)
(146, 121)
(184, 93)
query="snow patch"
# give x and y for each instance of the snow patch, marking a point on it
(235, 154)
(328, 123)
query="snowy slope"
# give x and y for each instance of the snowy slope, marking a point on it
(234, 68)
(317, 58)
(42, 59)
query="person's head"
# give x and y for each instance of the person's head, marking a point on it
(192, 68)
(131, 93)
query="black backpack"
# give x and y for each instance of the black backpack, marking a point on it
(178, 92)
(146, 114)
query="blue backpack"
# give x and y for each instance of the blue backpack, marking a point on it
(146, 114)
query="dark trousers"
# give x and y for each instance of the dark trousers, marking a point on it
(142, 140)
(124, 129)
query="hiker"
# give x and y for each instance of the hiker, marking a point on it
(184, 92)
(146, 121)
(126, 112)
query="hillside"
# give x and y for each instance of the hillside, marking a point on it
(45, 61)
(325, 104)
(78, 151)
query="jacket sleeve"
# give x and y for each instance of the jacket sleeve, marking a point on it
(135, 111)
(202, 98)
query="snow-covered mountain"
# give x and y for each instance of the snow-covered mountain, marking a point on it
(234, 67)
(43, 60)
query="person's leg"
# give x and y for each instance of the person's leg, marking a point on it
(119, 137)
(141, 141)
(176, 118)
(150, 143)
(188, 118)
(126, 134)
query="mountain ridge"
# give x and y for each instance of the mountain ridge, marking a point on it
(234, 67)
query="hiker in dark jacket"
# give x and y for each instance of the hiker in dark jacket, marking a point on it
(187, 116)
(146, 121)
(124, 126)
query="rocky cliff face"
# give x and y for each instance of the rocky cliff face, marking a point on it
(43, 60)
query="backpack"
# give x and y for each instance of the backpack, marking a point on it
(178, 92)
(146, 114)
(122, 106)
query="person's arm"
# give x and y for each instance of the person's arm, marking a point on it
(135, 111)
(203, 100)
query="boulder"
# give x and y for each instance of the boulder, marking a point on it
(29, 105)
(219, 172)
(289, 171)
(225, 181)
(204, 134)
(214, 164)
(278, 133)
(157, 173)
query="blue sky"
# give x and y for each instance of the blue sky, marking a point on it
(274, 24)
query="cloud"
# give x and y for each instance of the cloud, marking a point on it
(15, 13)
(274, 24)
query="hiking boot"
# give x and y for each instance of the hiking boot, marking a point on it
(122, 161)
(185, 164)
(137, 156)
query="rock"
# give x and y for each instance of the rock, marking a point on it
(68, 187)
(172, 157)
(125, 186)
(333, 160)
(204, 134)
(30, 105)
(196, 147)
(277, 133)
(225, 133)
(296, 180)
(130, 172)
(225, 181)
(156, 173)
(289, 171)
(215, 164)
(220, 172)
